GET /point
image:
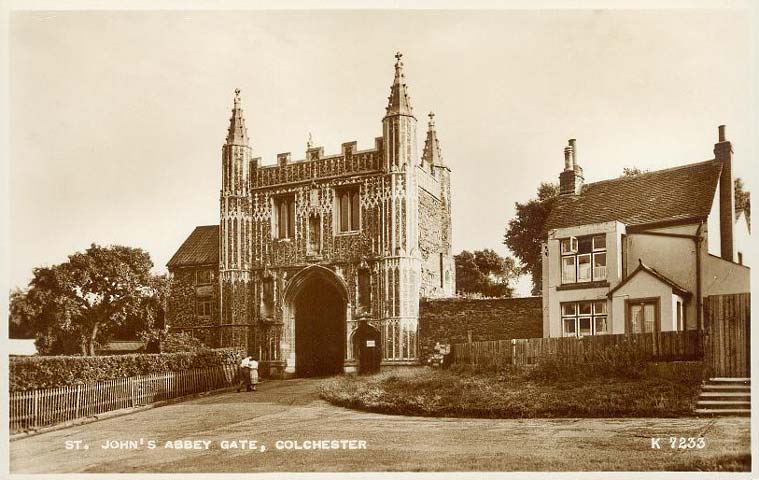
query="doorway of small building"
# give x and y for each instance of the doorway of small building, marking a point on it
(367, 348)
(319, 329)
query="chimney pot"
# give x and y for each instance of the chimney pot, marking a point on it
(573, 145)
(721, 129)
(567, 158)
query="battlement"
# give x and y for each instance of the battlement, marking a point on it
(316, 165)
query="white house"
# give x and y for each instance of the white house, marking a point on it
(638, 254)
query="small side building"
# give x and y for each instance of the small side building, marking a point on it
(193, 305)
(639, 253)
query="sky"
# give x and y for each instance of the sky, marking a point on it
(117, 119)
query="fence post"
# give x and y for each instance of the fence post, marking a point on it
(36, 406)
(78, 394)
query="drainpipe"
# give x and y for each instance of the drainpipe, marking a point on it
(699, 301)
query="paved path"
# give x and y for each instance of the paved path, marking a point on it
(291, 411)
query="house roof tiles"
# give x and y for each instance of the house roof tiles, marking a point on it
(672, 194)
(200, 248)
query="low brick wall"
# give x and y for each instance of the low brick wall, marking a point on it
(453, 320)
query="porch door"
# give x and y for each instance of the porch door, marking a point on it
(643, 316)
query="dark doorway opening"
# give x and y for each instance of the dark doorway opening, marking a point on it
(367, 348)
(319, 330)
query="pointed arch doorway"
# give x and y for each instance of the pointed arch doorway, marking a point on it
(317, 305)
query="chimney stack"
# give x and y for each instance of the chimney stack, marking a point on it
(723, 151)
(571, 179)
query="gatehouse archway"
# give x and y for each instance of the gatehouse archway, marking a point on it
(316, 302)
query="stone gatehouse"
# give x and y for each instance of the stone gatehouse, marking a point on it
(306, 250)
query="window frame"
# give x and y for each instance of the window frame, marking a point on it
(277, 202)
(353, 204)
(579, 314)
(594, 253)
(630, 302)
(203, 301)
(206, 271)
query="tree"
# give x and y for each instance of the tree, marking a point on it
(20, 315)
(526, 232)
(89, 296)
(484, 272)
(742, 199)
(632, 172)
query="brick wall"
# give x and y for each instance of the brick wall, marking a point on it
(450, 320)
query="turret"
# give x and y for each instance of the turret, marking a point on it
(399, 124)
(234, 201)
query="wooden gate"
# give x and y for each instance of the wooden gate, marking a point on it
(727, 324)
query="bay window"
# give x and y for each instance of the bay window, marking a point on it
(583, 259)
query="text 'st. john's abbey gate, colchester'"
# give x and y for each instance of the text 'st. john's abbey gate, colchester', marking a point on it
(307, 250)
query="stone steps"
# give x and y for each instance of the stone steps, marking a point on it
(725, 396)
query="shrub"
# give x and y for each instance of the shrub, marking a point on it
(623, 360)
(29, 373)
(552, 369)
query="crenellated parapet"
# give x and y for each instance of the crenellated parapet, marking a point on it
(316, 166)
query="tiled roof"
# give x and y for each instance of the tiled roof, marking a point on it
(200, 248)
(672, 194)
(642, 267)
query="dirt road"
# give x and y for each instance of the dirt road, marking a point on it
(289, 413)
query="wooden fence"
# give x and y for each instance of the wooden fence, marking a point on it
(39, 408)
(660, 346)
(727, 324)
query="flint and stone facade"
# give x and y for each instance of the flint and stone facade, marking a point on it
(366, 232)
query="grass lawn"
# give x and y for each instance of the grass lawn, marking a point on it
(546, 391)
(722, 463)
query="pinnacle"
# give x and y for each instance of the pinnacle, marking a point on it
(431, 153)
(398, 101)
(237, 134)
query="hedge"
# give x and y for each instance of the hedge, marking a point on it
(30, 373)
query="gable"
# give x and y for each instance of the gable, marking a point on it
(673, 194)
(645, 274)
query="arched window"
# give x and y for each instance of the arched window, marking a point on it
(348, 209)
(284, 217)
(314, 235)
(267, 297)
